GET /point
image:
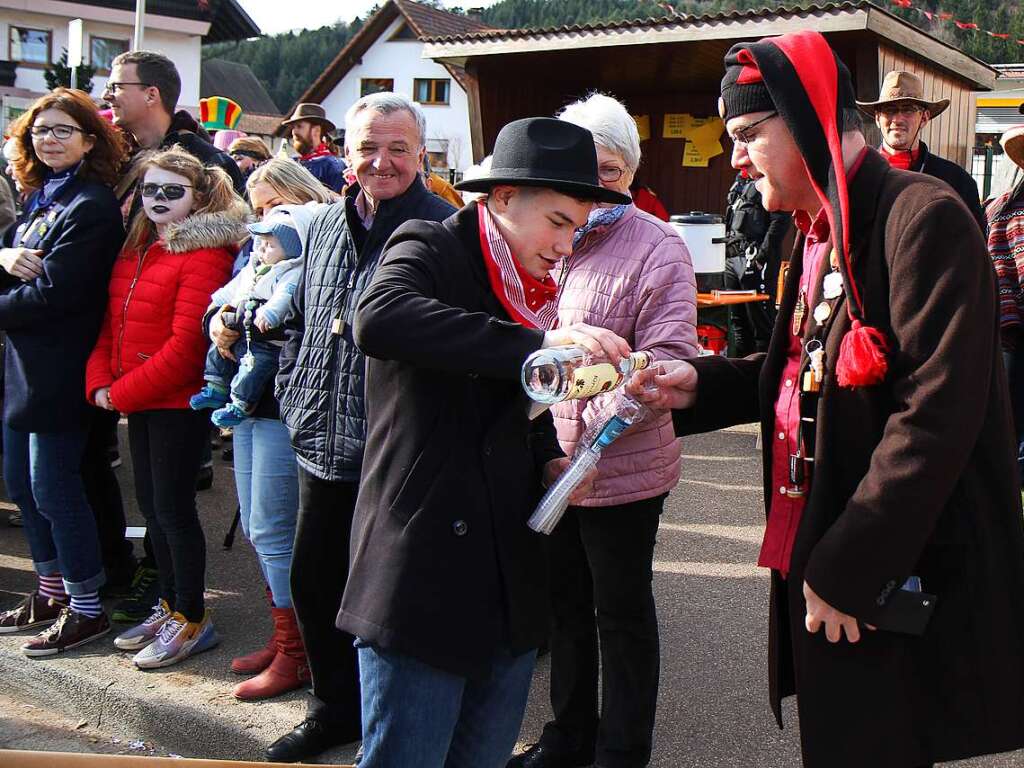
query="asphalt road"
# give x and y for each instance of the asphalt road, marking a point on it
(712, 605)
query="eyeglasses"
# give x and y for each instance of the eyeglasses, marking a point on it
(609, 173)
(60, 132)
(113, 88)
(744, 136)
(168, 191)
(891, 110)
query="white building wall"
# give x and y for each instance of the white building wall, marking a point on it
(401, 60)
(182, 49)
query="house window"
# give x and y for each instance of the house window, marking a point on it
(431, 91)
(30, 46)
(102, 51)
(370, 85)
(438, 160)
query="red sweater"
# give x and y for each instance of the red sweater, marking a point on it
(151, 348)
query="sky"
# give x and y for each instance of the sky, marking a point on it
(273, 16)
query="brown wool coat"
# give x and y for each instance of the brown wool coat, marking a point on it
(915, 476)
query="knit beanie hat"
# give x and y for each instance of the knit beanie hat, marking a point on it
(810, 87)
(280, 225)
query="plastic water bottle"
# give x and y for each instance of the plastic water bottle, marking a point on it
(625, 412)
(568, 373)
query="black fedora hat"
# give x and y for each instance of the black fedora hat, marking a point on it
(545, 152)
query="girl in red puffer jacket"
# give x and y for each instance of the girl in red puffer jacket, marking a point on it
(148, 360)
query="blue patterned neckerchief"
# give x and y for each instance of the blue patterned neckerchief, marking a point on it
(53, 186)
(599, 217)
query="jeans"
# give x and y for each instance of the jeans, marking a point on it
(104, 495)
(42, 472)
(601, 565)
(247, 383)
(319, 572)
(167, 449)
(268, 495)
(418, 716)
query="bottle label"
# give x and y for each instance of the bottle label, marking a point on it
(590, 380)
(640, 360)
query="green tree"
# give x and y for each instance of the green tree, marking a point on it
(59, 75)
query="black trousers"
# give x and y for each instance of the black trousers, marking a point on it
(601, 572)
(167, 449)
(319, 571)
(751, 323)
(104, 495)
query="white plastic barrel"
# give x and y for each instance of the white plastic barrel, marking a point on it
(704, 235)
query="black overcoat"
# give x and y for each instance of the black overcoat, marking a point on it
(52, 321)
(915, 476)
(444, 567)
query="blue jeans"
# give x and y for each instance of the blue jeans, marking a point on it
(418, 716)
(247, 384)
(266, 477)
(42, 472)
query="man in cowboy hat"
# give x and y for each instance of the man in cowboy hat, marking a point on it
(311, 138)
(447, 588)
(901, 113)
(893, 511)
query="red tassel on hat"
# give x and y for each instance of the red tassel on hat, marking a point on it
(862, 356)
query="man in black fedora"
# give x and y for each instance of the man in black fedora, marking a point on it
(311, 138)
(447, 587)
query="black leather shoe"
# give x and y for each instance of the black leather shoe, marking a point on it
(308, 739)
(542, 756)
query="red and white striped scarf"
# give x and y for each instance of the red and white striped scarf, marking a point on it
(529, 301)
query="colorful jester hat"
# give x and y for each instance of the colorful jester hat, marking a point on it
(799, 76)
(219, 113)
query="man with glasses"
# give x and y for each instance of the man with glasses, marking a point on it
(893, 532)
(901, 113)
(142, 92)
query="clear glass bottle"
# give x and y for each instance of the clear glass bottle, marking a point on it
(568, 373)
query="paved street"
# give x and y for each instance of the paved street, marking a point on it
(711, 600)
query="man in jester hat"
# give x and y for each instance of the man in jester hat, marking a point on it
(894, 535)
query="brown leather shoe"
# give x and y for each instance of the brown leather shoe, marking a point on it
(34, 612)
(289, 669)
(71, 630)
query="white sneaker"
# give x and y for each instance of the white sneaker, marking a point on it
(138, 637)
(177, 639)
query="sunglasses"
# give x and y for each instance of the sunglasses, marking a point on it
(167, 191)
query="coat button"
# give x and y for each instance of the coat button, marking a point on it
(460, 528)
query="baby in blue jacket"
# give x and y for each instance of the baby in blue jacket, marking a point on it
(261, 294)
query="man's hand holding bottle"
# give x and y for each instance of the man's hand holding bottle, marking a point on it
(669, 385)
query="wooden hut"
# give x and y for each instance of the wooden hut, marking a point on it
(673, 66)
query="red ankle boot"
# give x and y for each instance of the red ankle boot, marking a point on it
(289, 669)
(255, 662)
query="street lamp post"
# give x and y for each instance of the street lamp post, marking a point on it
(140, 23)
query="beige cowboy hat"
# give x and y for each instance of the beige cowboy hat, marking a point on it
(900, 86)
(1012, 142)
(312, 112)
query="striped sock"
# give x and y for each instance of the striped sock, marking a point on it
(87, 604)
(53, 587)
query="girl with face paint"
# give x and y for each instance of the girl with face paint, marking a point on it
(146, 363)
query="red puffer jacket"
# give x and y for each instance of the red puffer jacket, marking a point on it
(151, 349)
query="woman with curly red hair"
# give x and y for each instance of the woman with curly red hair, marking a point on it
(53, 290)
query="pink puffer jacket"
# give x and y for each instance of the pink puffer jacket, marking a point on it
(635, 278)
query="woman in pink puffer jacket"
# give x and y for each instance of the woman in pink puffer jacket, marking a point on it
(630, 273)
